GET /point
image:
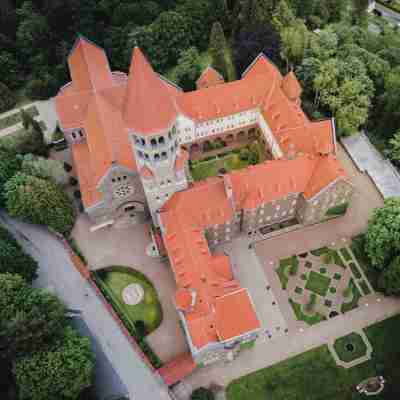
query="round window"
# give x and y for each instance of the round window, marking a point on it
(123, 191)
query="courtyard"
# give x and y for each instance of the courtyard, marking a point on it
(238, 158)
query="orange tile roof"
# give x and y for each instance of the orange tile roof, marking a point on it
(149, 105)
(181, 160)
(291, 86)
(235, 315)
(209, 77)
(177, 369)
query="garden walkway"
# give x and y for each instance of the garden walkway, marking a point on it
(369, 160)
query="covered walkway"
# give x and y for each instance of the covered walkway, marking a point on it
(370, 161)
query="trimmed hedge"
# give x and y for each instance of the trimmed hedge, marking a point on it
(337, 210)
(15, 118)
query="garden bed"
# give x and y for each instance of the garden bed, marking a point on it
(318, 283)
(285, 265)
(15, 118)
(350, 347)
(301, 316)
(351, 305)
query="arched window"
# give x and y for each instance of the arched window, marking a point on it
(161, 140)
(146, 156)
(156, 157)
(140, 154)
(164, 155)
(153, 142)
(143, 142)
(74, 135)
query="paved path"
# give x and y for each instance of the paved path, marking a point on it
(369, 160)
(119, 369)
(265, 354)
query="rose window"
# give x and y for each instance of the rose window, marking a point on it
(123, 191)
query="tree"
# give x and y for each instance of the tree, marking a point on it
(62, 371)
(7, 98)
(202, 393)
(31, 318)
(13, 259)
(188, 69)
(294, 42)
(217, 48)
(395, 147)
(30, 140)
(10, 164)
(382, 240)
(45, 168)
(39, 201)
(251, 41)
(283, 16)
(389, 280)
(360, 11)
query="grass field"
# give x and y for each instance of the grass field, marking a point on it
(149, 310)
(318, 283)
(315, 376)
(205, 169)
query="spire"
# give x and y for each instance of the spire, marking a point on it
(88, 65)
(148, 106)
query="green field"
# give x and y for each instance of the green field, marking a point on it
(116, 278)
(315, 376)
(318, 283)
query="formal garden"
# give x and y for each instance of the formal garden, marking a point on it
(314, 375)
(232, 160)
(322, 283)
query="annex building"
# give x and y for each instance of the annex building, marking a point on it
(132, 138)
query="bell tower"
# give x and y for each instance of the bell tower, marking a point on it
(150, 114)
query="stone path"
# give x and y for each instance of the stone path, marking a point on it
(357, 361)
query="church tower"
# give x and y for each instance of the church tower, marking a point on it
(150, 114)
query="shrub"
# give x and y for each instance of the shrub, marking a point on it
(312, 302)
(293, 268)
(7, 98)
(57, 135)
(41, 88)
(244, 154)
(332, 290)
(67, 167)
(77, 194)
(347, 292)
(10, 164)
(338, 210)
(73, 181)
(202, 393)
(39, 201)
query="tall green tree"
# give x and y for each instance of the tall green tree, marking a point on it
(31, 319)
(10, 164)
(389, 280)
(382, 240)
(360, 11)
(61, 372)
(294, 43)
(39, 201)
(188, 69)
(217, 48)
(7, 98)
(13, 259)
(283, 16)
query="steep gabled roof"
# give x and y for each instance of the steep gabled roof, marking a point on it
(209, 77)
(291, 86)
(148, 105)
(89, 66)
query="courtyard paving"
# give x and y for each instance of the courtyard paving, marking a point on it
(127, 247)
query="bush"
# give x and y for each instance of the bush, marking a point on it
(202, 393)
(389, 280)
(7, 98)
(39, 201)
(73, 181)
(57, 135)
(294, 268)
(41, 88)
(244, 154)
(338, 210)
(77, 194)
(67, 167)
(347, 292)
(45, 168)
(10, 164)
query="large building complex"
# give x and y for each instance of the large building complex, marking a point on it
(132, 138)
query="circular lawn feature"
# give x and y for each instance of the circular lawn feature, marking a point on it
(124, 283)
(133, 294)
(350, 347)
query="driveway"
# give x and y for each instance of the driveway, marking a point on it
(119, 369)
(127, 246)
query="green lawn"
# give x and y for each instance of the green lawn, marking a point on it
(149, 310)
(301, 316)
(315, 376)
(283, 270)
(205, 169)
(318, 283)
(359, 348)
(354, 302)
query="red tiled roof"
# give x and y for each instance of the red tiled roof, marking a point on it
(209, 77)
(181, 160)
(291, 86)
(235, 304)
(177, 369)
(149, 106)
